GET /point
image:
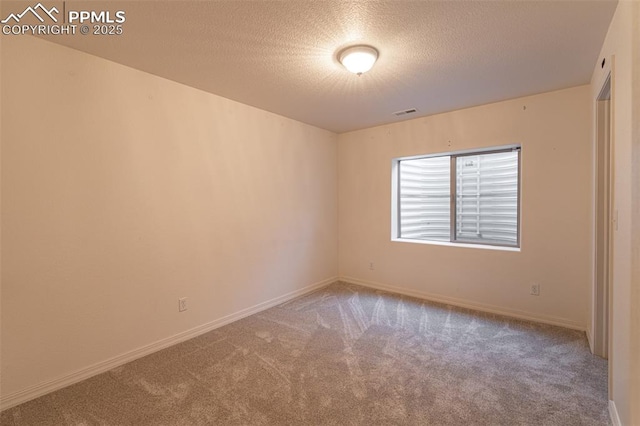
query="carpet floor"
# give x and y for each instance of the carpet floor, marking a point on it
(347, 355)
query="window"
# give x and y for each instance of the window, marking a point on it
(464, 197)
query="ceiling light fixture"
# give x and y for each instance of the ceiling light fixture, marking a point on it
(358, 59)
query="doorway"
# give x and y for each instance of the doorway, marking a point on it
(602, 273)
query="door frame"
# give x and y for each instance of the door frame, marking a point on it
(604, 219)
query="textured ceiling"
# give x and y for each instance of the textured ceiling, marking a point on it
(434, 56)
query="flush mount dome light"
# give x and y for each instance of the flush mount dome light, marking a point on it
(358, 59)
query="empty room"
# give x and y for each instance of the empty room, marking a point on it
(320, 212)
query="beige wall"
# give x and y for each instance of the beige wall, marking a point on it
(619, 49)
(635, 217)
(122, 192)
(556, 209)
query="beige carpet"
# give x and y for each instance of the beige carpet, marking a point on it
(346, 355)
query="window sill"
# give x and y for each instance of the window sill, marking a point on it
(462, 245)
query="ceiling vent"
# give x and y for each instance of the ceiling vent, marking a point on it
(404, 112)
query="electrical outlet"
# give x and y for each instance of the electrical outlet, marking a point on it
(535, 289)
(371, 268)
(182, 304)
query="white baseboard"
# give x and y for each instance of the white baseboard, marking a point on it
(513, 313)
(613, 414)
(590, 339)
(32, 392)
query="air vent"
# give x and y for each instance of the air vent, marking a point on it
(405, 112)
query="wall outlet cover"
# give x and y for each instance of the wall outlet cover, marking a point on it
(182, 304)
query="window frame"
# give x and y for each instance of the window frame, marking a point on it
(453, 240)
